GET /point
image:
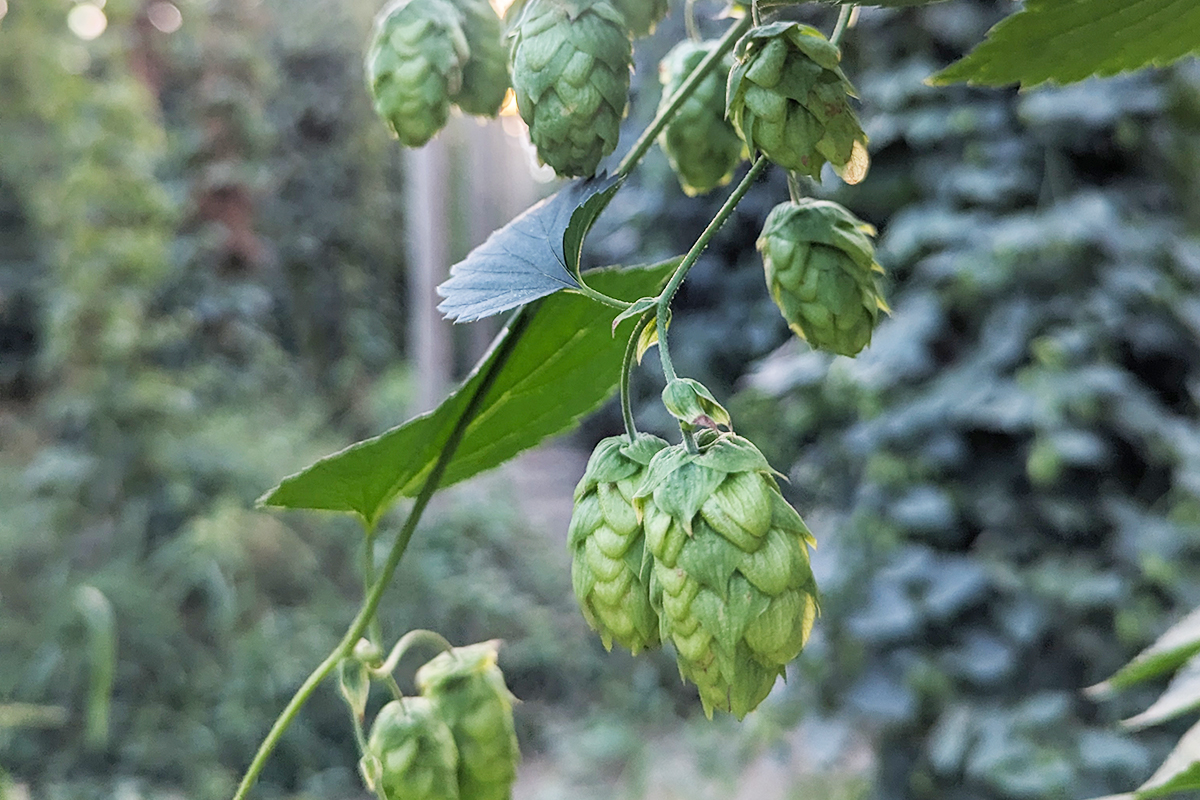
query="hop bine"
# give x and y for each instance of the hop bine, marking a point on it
(571, 61)
(610, 571)
(821, 270)
(787, 96)
(468, 691)
(415, 65)
(731, 579)
(413, 751)
(699, 142)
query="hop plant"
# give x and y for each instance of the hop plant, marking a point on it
(787, 96)
(571, 61)
(468, 691)
(609, 570)
(485, 74)
(414, 66)
(641, 16)
(821, 270)
(699, 142)
(414, 752)
(731, 579)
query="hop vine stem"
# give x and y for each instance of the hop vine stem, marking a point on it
(362, 620)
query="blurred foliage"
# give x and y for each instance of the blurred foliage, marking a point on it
(1005, 486)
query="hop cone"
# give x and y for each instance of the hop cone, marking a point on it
(608, 569)
(701, 145)
(416, 751)
(788, 97)
(468, 691)
(641, 15)
(570, 67)
(485, 74)
(731, 580)
(821, 270)
(414, 66)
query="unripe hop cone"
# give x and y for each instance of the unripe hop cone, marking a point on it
(414, 66)
(788, 97)
(641, 16)
(485, 74)
(468, 691)
(699, 142)
(609, 569)
(821, 270)
(731, 580)
(571, 61)
(415, 750)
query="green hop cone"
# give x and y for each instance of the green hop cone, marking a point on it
(788, 97)
(641, 15)
(485, 74)
(609, 571)
(731, 580)
(414, 752)
(821, 270)
(414, 66)
(699, 142)
(469, 693)
(570, 70)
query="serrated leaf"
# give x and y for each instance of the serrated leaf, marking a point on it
(535, 255)
(1173, 648)
(1064, 42)
(1179, 773)
(553, 363)
(1181, 696)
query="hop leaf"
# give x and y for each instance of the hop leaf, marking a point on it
(609, 571)
(701, 145)
(485, 74)
(571, 61)
(641, 16)
(787, 96)
(468, 691)
(821, 270)
(731, 579)
(414, 752)
(414, 65)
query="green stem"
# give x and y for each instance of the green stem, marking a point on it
(375, 629)
(520, 322)
(689, 20)
(843, 24)
(406, 642)
(601, 297)
(665, 113)
(626, 370)
(685, 266)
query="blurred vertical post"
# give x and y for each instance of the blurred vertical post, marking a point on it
(428, 242)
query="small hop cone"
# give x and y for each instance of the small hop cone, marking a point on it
(571, 61)
(609, 571)
(788, 97)
(701, 145)
(415, 752)
(641, 16)
(467, 688)
(731, 580)
(414, 66)
(821, 270)
(485, 74)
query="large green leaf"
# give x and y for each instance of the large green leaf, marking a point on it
(1068, 40)
(554, 362)
(1173, 648)
(1181, 696)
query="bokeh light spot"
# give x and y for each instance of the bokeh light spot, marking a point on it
(87, 21)
(165, 16)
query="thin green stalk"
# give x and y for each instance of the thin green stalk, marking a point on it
(362, 620)
(601, 297)
(665, 113)
(626, 370)
(375, 629)
(406, 642)
(844, 20)
(689, 20)
(689, 260)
